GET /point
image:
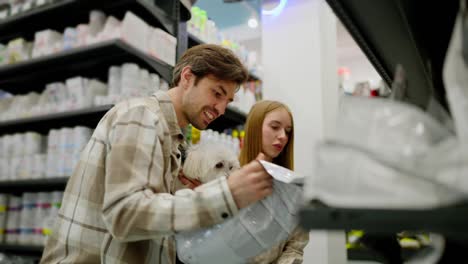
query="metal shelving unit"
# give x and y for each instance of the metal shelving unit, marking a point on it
(33, 185)
(31, 251)
(64, 13)
(231, 118)
(34, 74)
(88, 117)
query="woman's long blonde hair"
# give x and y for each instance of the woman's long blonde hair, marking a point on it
(253, 135)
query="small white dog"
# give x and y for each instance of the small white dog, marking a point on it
(208, 161)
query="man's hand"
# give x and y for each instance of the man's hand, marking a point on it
(251, 183)
(190, 183)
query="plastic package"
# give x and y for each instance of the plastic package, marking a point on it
(456, 78)
(254, 230)
(388, 154)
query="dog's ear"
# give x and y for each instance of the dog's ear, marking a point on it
(194, 164)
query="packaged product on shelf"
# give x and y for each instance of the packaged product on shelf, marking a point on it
(144, 82)
(162, 45)
(55, 93)
(81, 135)
(39, 166)
(42, 2)
(76, 87)
(53, 163)
(3, 215)
(70, 38)
(18, 143)
(163, 85)
(25, 168)
(96, 24)
(82, 31)
(27, 5)
(27, 220)
(42, 212)
(4, 168)
(65, 149)
(111, 30)
(155, 82)
(46, 42)
(3, 54)
(13, 220)
(114, 80)
(7, 146)
(18, 50)
(15, 6)
(130, 78)
(15, 167)
(56, 203)
(34, 143)
(94, 88)
(4, 10)
(135, 31)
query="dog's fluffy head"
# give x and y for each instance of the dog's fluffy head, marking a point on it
(208, 161)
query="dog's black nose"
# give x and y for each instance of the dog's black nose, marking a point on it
(219, 165)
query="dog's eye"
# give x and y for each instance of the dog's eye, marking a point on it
(219, 165)
(230, 167)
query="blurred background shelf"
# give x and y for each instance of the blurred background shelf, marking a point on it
(91, 61)
(69, 13)
(33, 185)
(88, 117)
(231, 118)
(32, 251)
(449, 221)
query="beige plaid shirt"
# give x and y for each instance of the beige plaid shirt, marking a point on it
(118, 207)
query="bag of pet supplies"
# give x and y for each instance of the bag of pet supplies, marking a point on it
(253, 230)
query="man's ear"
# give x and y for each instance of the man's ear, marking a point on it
(186, 77)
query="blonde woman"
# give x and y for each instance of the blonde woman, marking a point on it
(269, 130)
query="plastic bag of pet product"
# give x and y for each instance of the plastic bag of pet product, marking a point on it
(384, 157)
(455, 76)
(254, 230)
(397, 132)
(347, 177)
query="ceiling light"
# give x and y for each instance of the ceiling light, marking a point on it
(276, 10)
(253, 23)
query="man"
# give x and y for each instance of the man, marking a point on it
(119, 206)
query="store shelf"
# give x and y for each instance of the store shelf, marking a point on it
(90, 61)
(194, 41)
(231, 118)
(86, 117)
(365, 254)
(450, 221)
(22, 250)
(69, 13)
(36, 185)
(90, 117)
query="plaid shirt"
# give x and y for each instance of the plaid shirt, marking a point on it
(118, 205)
(288, 252)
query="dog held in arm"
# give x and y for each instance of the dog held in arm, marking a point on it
(207, 161)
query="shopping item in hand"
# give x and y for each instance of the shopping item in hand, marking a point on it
(254, 230)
